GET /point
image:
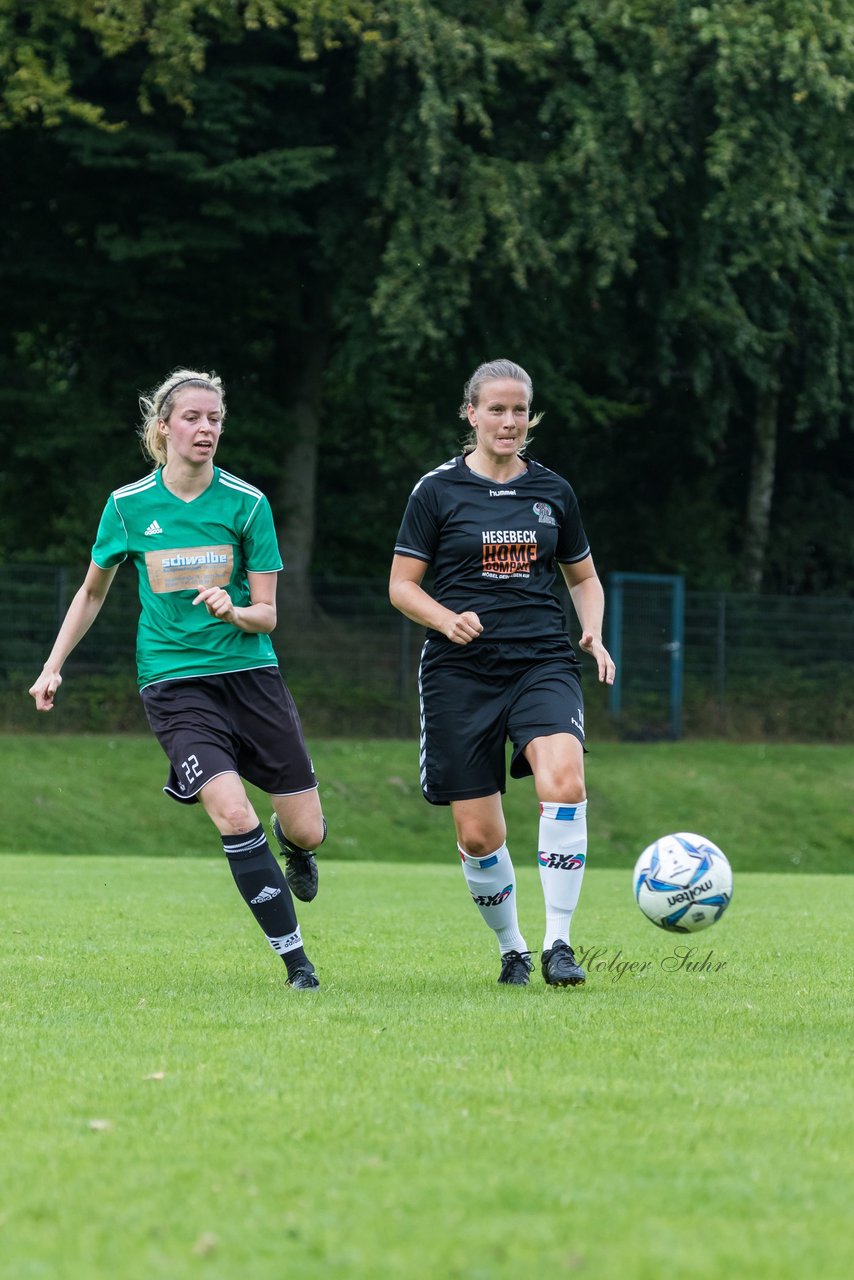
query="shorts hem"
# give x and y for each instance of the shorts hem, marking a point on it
(450, 797)
(192, 797)
(519, 766)
(208, 675)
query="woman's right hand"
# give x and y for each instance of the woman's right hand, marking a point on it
(462, 628)
(44, 689)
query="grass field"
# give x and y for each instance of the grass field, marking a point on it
(171, 1109)
(787, 808)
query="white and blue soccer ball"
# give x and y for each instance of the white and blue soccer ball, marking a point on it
(683, 882)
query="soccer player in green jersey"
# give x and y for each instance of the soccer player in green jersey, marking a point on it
(204, 547)
(494, 526)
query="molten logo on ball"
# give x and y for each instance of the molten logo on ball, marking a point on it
(683, 882)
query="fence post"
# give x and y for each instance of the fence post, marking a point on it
(620, 644)
(677, 655)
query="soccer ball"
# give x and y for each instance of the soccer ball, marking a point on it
(683, 882)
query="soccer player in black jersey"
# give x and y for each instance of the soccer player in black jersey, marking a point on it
(498, 663)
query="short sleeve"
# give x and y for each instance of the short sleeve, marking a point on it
(418, 535)
(260, 544)
(572, 544)
(111, 542)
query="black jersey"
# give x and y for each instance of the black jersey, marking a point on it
(493, 547)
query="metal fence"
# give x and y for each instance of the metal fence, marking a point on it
(749, 666)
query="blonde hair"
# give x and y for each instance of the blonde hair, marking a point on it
(491, 371)
(157, 407)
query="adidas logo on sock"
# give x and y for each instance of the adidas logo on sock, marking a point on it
(288, 942)
(266, 895)
(153, 528)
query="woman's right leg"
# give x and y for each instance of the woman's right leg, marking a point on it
(488, 870)
(257, 874)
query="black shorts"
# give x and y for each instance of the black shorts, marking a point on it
(244, 722)
(474, 697)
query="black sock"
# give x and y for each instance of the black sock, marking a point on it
(264, 889)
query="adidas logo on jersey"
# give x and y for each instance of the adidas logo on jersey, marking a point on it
(153, 528)
(266, 895)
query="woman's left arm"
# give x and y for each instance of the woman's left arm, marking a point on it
(259, 617)
(588, 600)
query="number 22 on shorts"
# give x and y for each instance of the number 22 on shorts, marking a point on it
(191, 767)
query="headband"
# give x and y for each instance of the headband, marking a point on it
(183, 383)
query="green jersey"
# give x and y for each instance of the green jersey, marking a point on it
(179, 547)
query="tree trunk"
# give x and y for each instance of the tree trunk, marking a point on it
(295, 494)
(761, 491)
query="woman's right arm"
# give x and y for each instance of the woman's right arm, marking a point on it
(407, 594)
(82, 612)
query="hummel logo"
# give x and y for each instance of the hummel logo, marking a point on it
(266, 895)
(153, 528)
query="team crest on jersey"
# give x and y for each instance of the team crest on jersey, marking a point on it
(543, 512)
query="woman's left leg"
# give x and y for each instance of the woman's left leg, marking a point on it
(299, 827)
(557, 762)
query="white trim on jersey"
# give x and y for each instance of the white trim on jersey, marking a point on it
(234, 482)
(532, 462)
(136, 486)
(574, 559)
(446, 466)
(121, 517)
(251, 516)
(130, 491)
(242, 486)
(401, 550)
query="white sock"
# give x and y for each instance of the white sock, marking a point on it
(492, 885)
(562, 857)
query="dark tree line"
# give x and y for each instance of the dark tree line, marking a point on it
(344, 206)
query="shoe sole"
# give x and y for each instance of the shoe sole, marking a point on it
(299, 888)
(564, 982)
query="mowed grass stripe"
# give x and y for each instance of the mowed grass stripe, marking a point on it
(781, 807)
(413, 1118)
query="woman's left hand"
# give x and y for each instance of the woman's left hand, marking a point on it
(593, 645)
